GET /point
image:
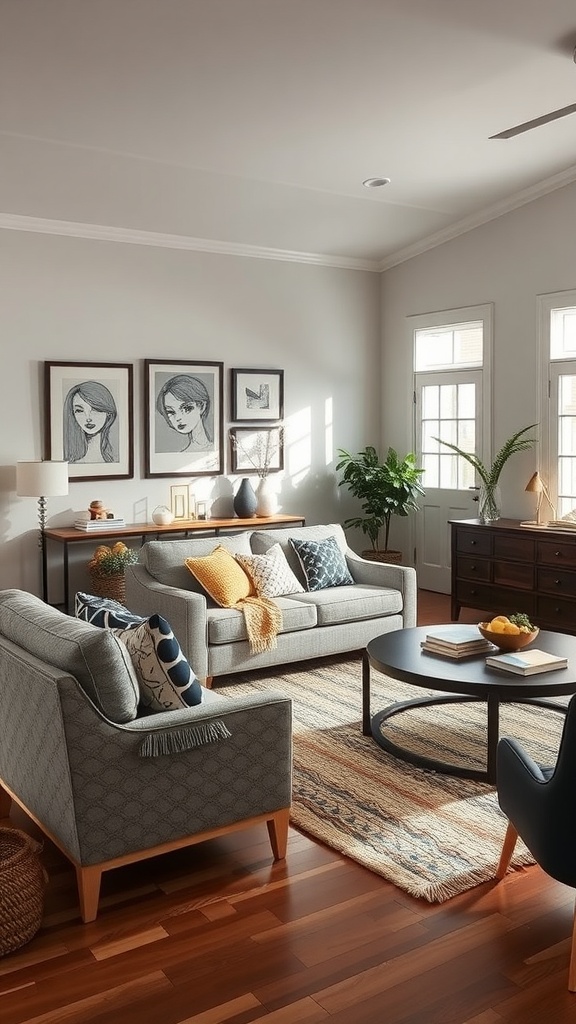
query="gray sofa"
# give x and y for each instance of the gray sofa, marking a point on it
(330, 621)
(109, 785)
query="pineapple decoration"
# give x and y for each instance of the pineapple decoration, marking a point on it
(106, 569)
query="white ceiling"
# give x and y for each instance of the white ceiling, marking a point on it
(252, 123)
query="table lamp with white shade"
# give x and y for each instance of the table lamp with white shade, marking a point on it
(42, 480)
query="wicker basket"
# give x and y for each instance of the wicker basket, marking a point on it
(393, 557)
(22, 882)
(105, 585)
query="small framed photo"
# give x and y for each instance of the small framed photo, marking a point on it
(257, 449)
(89, 419)
(179, 502)
(257, 395)
(184, 418)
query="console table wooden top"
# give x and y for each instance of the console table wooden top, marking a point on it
(69, 535)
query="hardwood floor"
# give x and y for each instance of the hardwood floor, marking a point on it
(217, 933)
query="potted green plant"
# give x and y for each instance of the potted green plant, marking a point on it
(489, 504)
(385, 489)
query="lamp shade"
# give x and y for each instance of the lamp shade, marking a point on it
(41, 479)
(535, 484)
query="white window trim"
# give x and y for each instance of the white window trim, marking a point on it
(546, 303)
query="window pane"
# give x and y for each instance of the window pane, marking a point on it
(448, 401)
(563, 333)
(431, 474)
(467, 400)
(430, 430)
(456, 346)
(466, 435)
(449, 471)
(430, 401)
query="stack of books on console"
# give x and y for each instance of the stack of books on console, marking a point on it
(527, 663)
(93, 525)
(456, 642)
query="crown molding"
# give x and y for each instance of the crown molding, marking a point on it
(105, 233)
(476, 220)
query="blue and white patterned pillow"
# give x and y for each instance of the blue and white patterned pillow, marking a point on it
(105, 612)
(165, 678)
(323, 563)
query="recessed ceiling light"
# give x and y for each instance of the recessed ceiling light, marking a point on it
(375, 182)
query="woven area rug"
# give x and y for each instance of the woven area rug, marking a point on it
(432, 835)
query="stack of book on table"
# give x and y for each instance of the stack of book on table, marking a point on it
(93, 525)
(526, 663)
(456, 642)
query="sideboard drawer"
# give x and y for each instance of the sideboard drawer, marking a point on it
(556, 552)
(557, 614)
(474, 595)
(557, 581)
(474, 541)
(514, 574)
(509, 546)
(474, 568)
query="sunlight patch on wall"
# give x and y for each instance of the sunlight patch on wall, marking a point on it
(298, 445)
(329, 430)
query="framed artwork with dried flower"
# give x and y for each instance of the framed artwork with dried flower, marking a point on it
(258, 450)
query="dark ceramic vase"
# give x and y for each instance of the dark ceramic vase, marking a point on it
(245, 500)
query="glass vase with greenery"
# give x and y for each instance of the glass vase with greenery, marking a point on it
(385, 489)
(489, 498)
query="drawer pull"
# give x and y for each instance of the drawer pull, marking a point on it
(557, 582)
(558, 554)
(472, 543)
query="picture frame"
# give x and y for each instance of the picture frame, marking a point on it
(257, 395)
(251, 447)
(179, 502)
(184, 426)
(89, 418)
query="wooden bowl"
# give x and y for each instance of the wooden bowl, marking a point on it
(508, 641)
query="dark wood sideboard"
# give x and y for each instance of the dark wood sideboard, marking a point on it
(504, 567)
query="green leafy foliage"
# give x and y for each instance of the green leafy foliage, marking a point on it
(385, 488)
(521, 619)
(517, 443)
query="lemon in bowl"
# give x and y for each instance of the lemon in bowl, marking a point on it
(509, 633)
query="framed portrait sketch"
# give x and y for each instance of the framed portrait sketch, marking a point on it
(89, 418)
(257, 449)
(183, 434)
(257, 395)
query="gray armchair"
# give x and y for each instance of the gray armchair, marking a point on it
(109, 787)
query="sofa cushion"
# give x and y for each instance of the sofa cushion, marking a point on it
(262, 540)
(164, 676)
(227, 625)
(362, 601)
(221, 576)
(104, 612)
(164, 560)
(323, 563)
(95, 657)
(270, 573)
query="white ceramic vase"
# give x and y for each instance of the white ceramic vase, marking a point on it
(267, 500)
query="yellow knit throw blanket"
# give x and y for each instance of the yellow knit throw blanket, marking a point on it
(263, 620)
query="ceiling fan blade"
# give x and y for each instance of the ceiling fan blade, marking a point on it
(535, 123)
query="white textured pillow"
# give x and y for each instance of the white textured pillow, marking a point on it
(270, 573)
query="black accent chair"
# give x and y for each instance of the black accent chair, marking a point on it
(540, 804)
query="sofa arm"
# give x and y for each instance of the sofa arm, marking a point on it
(384, 574)
(185, 610)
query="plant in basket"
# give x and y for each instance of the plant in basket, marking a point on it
(106, 569)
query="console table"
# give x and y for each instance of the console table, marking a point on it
(503, 567)
(67, 535)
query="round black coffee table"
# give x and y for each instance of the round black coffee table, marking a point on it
(398, 654)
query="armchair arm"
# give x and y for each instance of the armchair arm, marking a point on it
(383, 574)
(185, 610)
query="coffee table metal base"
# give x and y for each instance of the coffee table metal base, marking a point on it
(372, 726)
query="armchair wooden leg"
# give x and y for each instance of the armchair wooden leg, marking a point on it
(278, 832)
(507, 850)
(88, 880)
(572, 968)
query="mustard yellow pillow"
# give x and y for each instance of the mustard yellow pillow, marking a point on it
(221, 576)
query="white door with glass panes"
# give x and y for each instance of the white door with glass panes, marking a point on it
(448, 406)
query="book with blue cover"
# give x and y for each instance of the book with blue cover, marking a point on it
(457, 636)
(527, 663)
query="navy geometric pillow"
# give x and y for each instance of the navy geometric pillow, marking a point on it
(105, 612)
(165, 678)
(323, 563)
